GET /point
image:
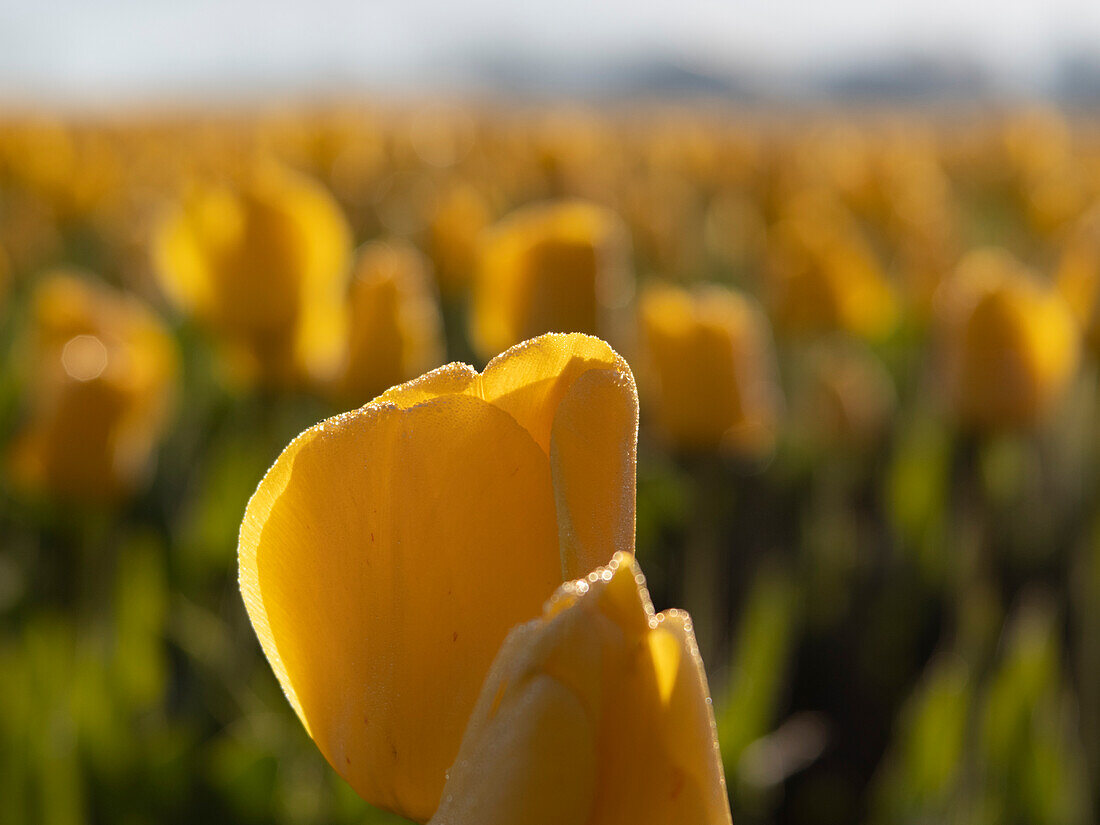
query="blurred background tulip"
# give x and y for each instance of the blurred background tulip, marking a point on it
(455, 225)
(1011, 345)
(394, 328)
(262, 261)
(709, 370)
(822, 273)
(1078, 275)
(553, 267)
(102, 373)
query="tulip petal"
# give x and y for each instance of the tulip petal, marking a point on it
(450, 379)
(576, 397)
(530, 379)
(682, 683)
(365, 558)
(527, 381)
(640, 705)
(593, 453)
(558, 788)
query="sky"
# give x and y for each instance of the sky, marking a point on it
(78, 49)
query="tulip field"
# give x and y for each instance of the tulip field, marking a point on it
(545, 463)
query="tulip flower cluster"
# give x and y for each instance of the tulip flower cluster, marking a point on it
(536, 225)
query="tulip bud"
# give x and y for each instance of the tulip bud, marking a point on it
(104, 372)
(454, 227)
(595, 713)
(262, 262)
(824, 276)
(389, 550)
(1078, 276)
(551, 267)
(1010, 344)
(709, 369)
(1049, 185)
(69, 169)
(395, 331)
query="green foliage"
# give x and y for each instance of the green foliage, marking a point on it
(918, 491)
(994, 747)
(1030, 757)
(922, 777)
(748, 707)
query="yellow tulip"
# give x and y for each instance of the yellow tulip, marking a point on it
(389, 550)
(1050, 182)
(104, 372)
(264, 263)
(595, 713)
(454, 226)
(710, 369)
(71, 169)
(823, 274)
(1011, 345)
(552, 267)
(1078, 275)
(395, 331)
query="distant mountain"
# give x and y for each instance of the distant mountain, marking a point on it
(631, 76)
(1077, 78)
(909, 78)
(658, 77)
